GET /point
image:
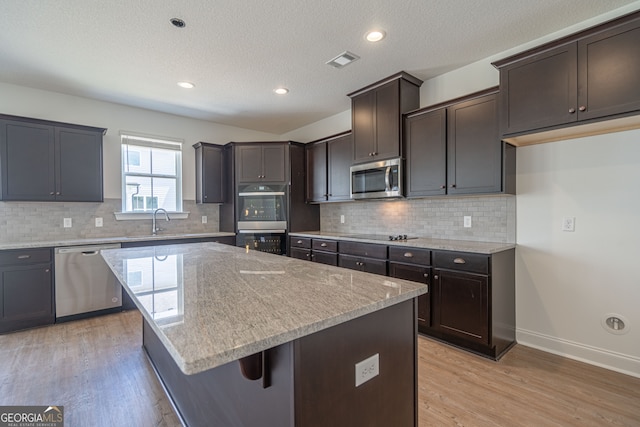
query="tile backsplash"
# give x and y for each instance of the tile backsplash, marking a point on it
(493, 218)
(43, 221)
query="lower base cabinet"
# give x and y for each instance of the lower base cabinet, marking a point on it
(26, 289)
(416, 273)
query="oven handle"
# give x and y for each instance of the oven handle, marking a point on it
(263, 193)
(260, 231)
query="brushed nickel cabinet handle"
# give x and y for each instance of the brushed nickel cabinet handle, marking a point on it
(299, 242)
(582, 108)
(47, 270)
(408, 255)
(453, 186)
(425, 275)
(435, 277)
(324, 245)
(459, 261)
(51, 193)
(572, 110)
(24, 256)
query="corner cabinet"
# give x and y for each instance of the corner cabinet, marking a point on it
(377, 116)
(328, 161)
(455, 148)
(210, 173)
(26, 289)
(262, 162)
(50, 161)
(583, 78)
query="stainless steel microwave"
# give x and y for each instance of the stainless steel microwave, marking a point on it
(377, 180)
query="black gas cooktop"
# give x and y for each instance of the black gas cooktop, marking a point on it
(384, 237)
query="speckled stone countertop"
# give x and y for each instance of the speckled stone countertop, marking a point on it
(211, 304)
(421, 242)
(107, 240)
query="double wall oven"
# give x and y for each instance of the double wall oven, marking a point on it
(262, 217)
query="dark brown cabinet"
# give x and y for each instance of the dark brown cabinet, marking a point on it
(377, 116)
(328, 161)
(262, 162)
(50, 161)
(584, 77)
(426, 153)
(26, 289)
(454, 148)
(210, 173)
(317, 250)
(368, 257)
(414, 264)
(473, 301)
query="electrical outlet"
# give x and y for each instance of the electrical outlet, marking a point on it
(568, 223)
(98, 222)
(467, 222)
(204, 219)
(66, 222)
(367, 369)
(341, 219)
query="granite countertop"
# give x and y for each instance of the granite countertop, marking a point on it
(421, 242)
(211, 304)
(107, 240)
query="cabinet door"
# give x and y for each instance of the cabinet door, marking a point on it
(540, 91)
(210, 174)
(26, 297)
(387, 124)
(78, 165)
(416, 273)
(316, 158)
(460, 305)
(27, 152)
(339, 152)
(274, 161)
(474, 161)
(426, 145)
(609, 72)
(300, 253)
(249, 163)
(363, 109)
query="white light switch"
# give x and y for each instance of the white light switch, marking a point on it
(66, 223)
(367, 369)
(98, 222)
(341, 219)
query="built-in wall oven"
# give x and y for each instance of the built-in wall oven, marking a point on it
(262, 218)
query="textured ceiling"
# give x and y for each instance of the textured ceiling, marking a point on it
(237, 52)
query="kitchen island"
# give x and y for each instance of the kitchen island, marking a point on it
(244, 338)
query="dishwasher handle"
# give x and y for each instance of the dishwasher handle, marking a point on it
(85, 250)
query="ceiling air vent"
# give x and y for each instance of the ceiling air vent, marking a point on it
(344, 59)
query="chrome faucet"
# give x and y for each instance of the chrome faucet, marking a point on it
(154, 229)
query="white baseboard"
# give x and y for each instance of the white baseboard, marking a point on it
(618, 362)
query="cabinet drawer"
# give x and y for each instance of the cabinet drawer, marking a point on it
(462, 261)
(300, 253)
(25, 256)
(364, 249)
(410, 255)
(369, 265)
(325, 245)
(329, 258)
(300, 242)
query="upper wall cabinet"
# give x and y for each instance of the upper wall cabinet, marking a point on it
(454, 148)
(584, 79)
(328, 162)
(377, 116)
(262, 162)
(210, 173)
(50, 161)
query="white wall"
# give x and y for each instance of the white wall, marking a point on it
(23, 101)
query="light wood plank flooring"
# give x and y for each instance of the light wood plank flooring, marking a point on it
(97, 369)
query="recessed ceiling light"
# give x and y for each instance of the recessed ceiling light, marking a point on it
(186, 85)
(177, 22)
(375, 35)
(281, 90)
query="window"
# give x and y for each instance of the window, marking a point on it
(151, 174)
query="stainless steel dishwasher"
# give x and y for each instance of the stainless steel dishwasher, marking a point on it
(84, 283)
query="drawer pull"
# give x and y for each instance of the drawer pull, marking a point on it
(299, 242)
(435, 277)
(425, 275)
(324, 245)
(459, 261)
(408, 255)
(24, 256)
(47, 270)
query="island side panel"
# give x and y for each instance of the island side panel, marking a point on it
(325, 391)
(222, 396)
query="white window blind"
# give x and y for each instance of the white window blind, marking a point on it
(151, 174)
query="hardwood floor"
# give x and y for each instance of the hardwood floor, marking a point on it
(97, 369)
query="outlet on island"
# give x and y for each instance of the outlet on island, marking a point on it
(367, 369)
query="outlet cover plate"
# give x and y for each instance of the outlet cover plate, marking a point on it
(99, 222)
(66, 222)
(204, 219)
(467, 222)
(568, 223)
(367, 369)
